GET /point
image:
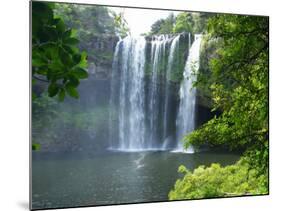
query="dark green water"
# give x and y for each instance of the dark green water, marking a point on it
(67, 180)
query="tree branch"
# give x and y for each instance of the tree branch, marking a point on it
(40, 79)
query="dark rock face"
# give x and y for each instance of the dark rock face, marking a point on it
(100, 55)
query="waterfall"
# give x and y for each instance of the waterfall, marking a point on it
(131, 102)
(185, 117)
(142, 105)
(112, 100)
(174, 47)
(158, 45)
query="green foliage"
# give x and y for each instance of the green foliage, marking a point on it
(163, 26)
(121, 25)
(184, 23)
(209, 45)
(95, 26)
(200, 21)
(235, 74)
(216, 181)
(56, 58)
(35, 146)
(239, 84)
(191, 22)
(87, 19)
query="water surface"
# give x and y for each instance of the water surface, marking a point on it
(79, 179)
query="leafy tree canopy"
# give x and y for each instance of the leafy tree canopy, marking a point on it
(217, 181)
(90, 20)
(163, 26)
(184, 22)
(122, 28)
(93, 25)
(238, 83)
(56, 58)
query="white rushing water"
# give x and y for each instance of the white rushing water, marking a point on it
(158, 46)
(174, 47)
(112, 99)
(141, 113)
(186, 114)
(131, 104)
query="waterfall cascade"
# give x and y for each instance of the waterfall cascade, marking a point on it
(158, 52)
(140, 103)
(186, 113)
(174, 47)
(129, 60)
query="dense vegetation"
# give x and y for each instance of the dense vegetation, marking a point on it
(238, 82)
(64, 42)
(163, 26)
(184, 22)
(55, 56)
(217, 181)
(233, 74)
(94, 26)
(58, 57)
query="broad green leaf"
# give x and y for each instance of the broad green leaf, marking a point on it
(73, 80)
(65, 57)
(80, 73)
(37, 62)
(68, 48)
(41, 11)
(42, 71)
(76, 58)
(67, 34)
(71, 41)
(71, 90)
(74, 33)
(61, 95)
(53, 89)
(83, 62)
(60, 26)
